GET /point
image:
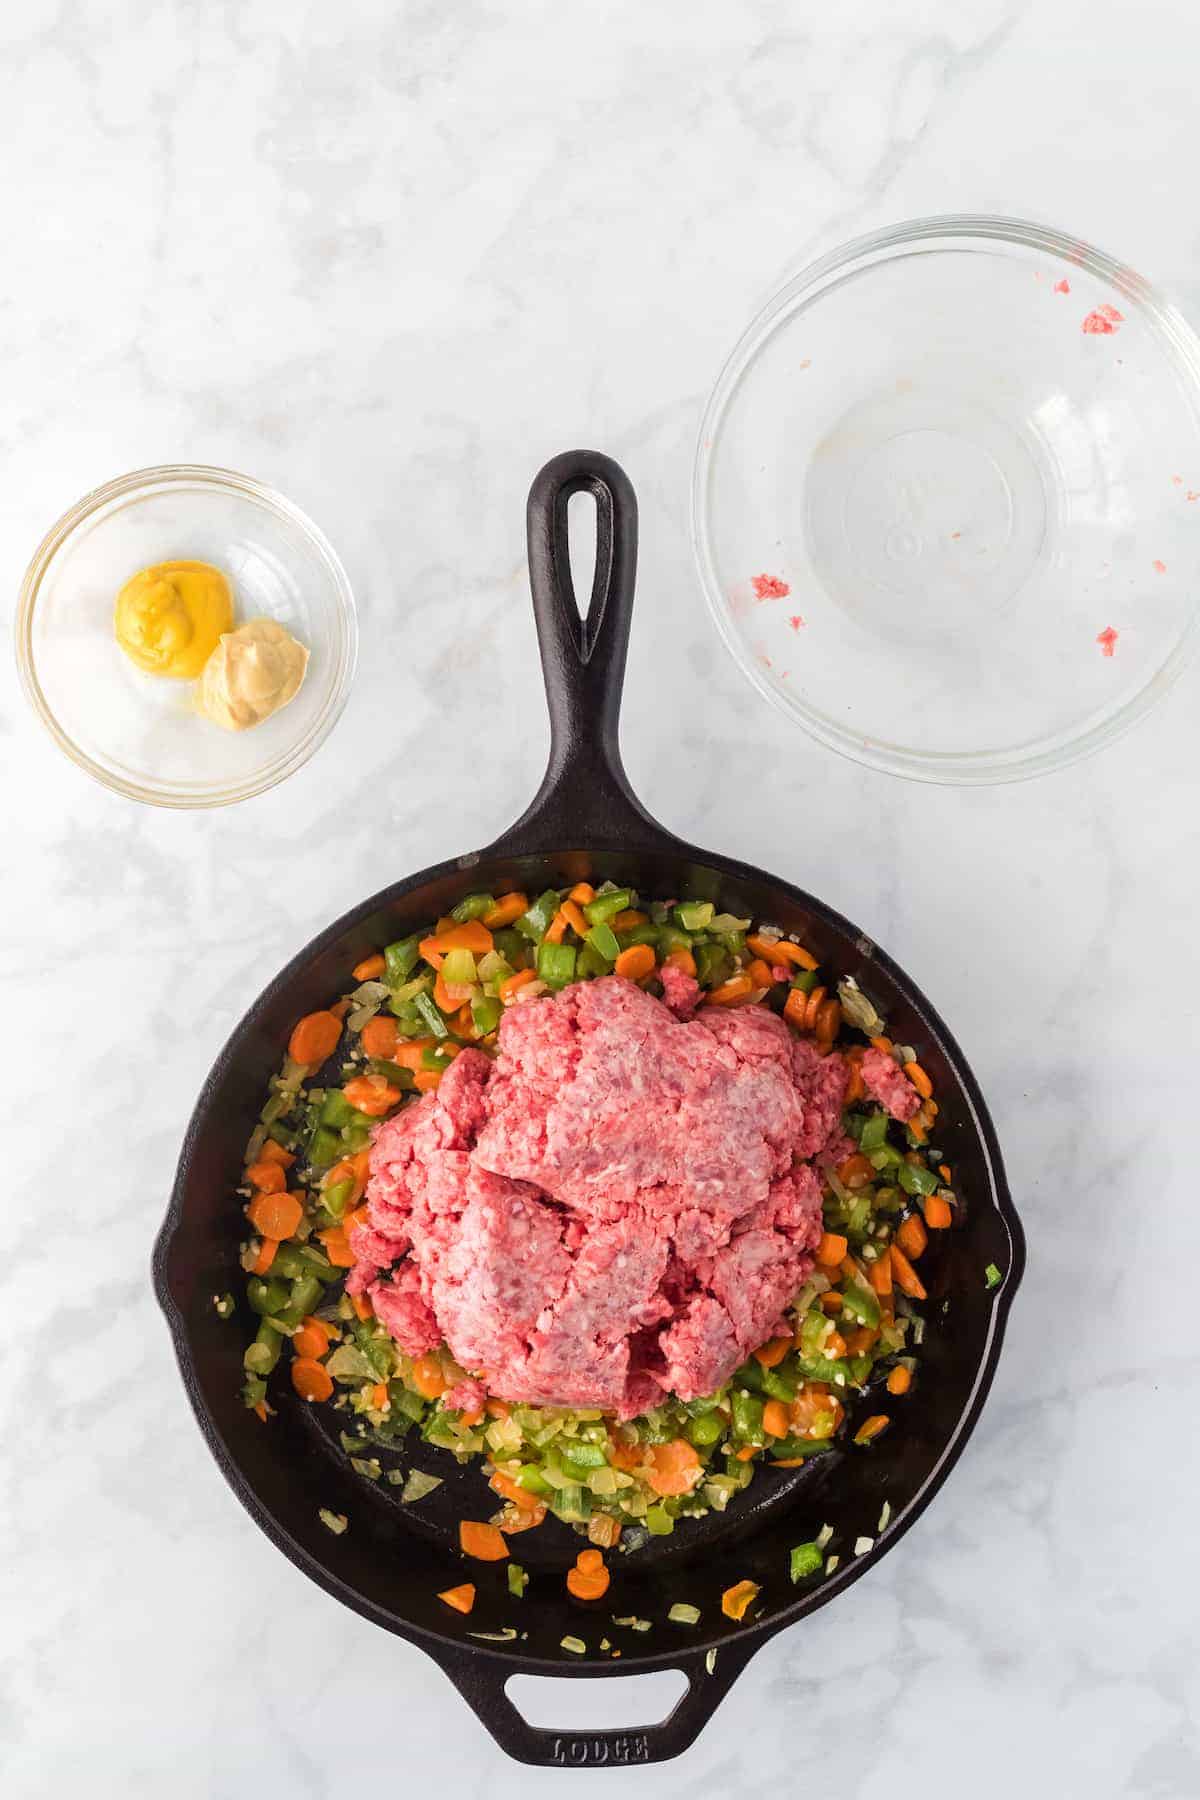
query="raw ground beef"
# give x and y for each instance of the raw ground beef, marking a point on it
(888, 1084)
(621, 1204)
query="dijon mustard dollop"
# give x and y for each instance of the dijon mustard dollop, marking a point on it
(170, 617)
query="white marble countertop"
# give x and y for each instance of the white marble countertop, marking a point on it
(389, 257)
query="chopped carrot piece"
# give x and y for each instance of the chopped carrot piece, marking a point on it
(625, 1456)
(944, 1171)
(506, 911)
(780, 950)
(462, 1599)
(583, 893)
(372, 1094)
(311, 1380)
(795, 1007)
(513, 1492)
(735, 1601)
(266, 1256)
(410, 1053)
(747, 1453)
(275, 1215)
(310, 1342)
(835, 1344)
(635, 963)
(339, 1009)
(573, 913)
(880, 1274)
(267, 1177)
(448, 998)
(629, 920)
(497, 1409)
(860, 1340)
(831, 1302)
(434, 959)
(856, 1171)
(682, 959)
(379, 1397)
(673, 1468)
(828, 1021)
(380, 1036)
(342, 1171)
(426, 1080)
(589, 1560)
(362, 1307)
(775, 1419)
(812, 1008)
(514, 983)
(760, 972)
(731, 992)
(919, 1079)
(428, 1377)
(273, 1152)
(871, 1428)
(337, 1247)
(899, 1380)
(369, 969)
(912, 1237)
(481, 1541)
(771, 1354)
(352, 1220)
(360, 1162)
(832, 1249)
(260, 1411)
(315, 1038)
(472, 935)
(907, 1279)
(586, 1582)
(938, 1214)
(556, 931)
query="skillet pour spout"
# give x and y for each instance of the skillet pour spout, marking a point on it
(585, 823)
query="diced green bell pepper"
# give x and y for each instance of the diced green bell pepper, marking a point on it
(874, 1133)
(324, 1148)
(431, 1015)
(603, 940)
(805, 1559)
(556, 964)
(606, 906)
(860, 1303)
(535, 923)
(747, 1419)
(400, 959)
(485, 1013)
(917, 1180)
(474, 906)
(694, 915)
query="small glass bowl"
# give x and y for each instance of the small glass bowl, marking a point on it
(140, 734)
(946, 500)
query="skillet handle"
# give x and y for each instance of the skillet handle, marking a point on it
(481, 1682)
(585, 796)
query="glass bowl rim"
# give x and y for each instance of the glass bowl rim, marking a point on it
(949, 768)
(213, 476)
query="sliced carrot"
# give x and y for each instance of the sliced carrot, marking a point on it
(481, 1541)
(462, 1599)
(907, 1279)
(512, 1491)
(311, 1380)
(731, 992)
(410, 1052)
(310, 1342)
(583, 893)
(426, 1080)
(449, 999)
(337, 1247)
(780, 950)
(635, 963)
(828, 1021)
(776, 1423)
(856, 1171)
(625, 1456)
(573, 914)
(919, 1079)
(682, 959)
(369, 969)
(265, 1257)
(879, 1274)
(629, 920)
(352, 1220)
(912, 1237)
(882, 1043)
(315, 1037)
(372, 1095)
(362, 1307)
(275, 1215)
(380, 1036)
(497, 1409)
(832, 1249)
(379, 1397)
(260, 1411)
(267, 1177)
(673, 1467)
(556, 931)
(736, 1600)
(514, 983)
(588, 1584)
(472, 935)
(771, 1354)
(428, 1377)
(760, 973)
(938, 1213)
(860, 1340)
(339, 1009)
(899, 1380)
(434, 960)
(944, 1171)
(506, 911)
(831, 1301)
(273, 1152)
(360, 1162)
(747, 1453)
(812, 1007)
(871, 1428)
(835, 1344)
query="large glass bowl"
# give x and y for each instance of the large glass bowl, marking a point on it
(946, 500)
(138, 733)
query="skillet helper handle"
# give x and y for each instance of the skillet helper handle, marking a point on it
(481, 1682)
(585, 796)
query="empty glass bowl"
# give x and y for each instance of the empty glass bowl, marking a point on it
(946, 501)
(138, 733)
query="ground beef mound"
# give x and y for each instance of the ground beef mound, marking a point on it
(621, 1205)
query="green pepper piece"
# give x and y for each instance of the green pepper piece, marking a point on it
(659, 1522)
(532, 1480)
(806, 980)
(401, 958)
(695, 915)
(750, 1375)
(508, 943)
(556, 964)
(485, 1013)
(333, 1199)
(396, 1073)
(874, 1133)
(779, 1384)
(603, 940)
(824, 1368)
(589, 964)
(262, 1355)
(405, 1400)
(713, 965)
(254, 1391)
(324, 1148)
(708, 1428)
(916, 1180)
(640, 934)
(582, 1456)
(473, 907)
(430, 1013)
(806, 1559)
(747, 1417)
(860, 1303)
(535, 923)
(789, 1449)
(606, 906)
(518, 1580)
(336, 1110)
(266, 1296)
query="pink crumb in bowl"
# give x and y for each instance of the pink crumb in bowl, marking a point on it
(797, 621)
(1160, 568)
(770, 587)
(1103, 321)
(1062, 287)
(1107, 640)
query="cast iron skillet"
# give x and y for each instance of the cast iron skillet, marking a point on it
(390, 1564)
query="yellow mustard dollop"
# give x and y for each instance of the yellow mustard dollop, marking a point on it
(252, 673)
(170, 617)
